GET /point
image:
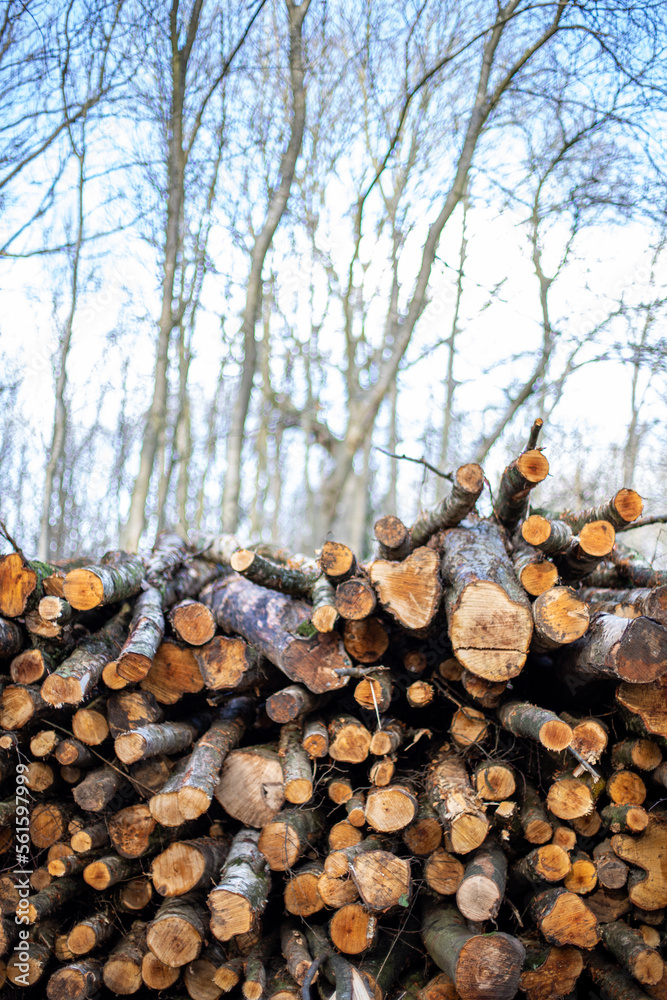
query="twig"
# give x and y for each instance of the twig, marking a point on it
(643, 522)
(419, 461)
(310, 975)
(14, 544)
(534, 434)
(360, 672)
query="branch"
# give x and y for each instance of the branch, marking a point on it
(419, 461)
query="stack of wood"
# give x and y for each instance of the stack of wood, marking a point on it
(437, 774)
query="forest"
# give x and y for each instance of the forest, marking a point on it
(252, 252)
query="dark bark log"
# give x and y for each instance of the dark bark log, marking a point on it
(534, 820)
(292, 702)
(612, 983)
(633, 650)
(624, 818)
(270, 622)
(518, 479)
(393, 538)
(76, 981)
(480, 965)
(92, 931)
(100, 787)
(468, 485)
(11, 638)
(52, 898)
(623, 508)
(482, 888)
(629, 949)
(159, 737)
(522, 719)
(548, 535)
(122, 969)
(274, 576)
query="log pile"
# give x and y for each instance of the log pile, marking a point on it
(438, 773)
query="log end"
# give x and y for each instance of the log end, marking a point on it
(468, 832)
(628, 504)
(536, 529)
(59, 691)
(533, 466)
(556, 735)
(597, 538)
(489, 965)
(490, 633)
(83, 589)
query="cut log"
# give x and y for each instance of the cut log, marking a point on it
(410, 590)
(294, 949)
(424, 834)
(117, 577)
(228, 663)
(420, 694)
(50, 899)
(355, 599)
(31, 666)
(560, 617)
(469, 727)
(611, 981)
(133, 896)
(122, 969)
(155, 974)
(251, 785)
(534, 820)
(583, 877)
(645, 755)
(91, 932)
(192, 622)
(239, 898)
(550, 536)
(548, 863)
(20, 705)
(632, 650)
(288, 835)
(391, 808)
(367, 640)
(159, 737)
(522, 719)
(100, 787)
(482, 888)
(382, 880)
(353, 929)
(324, 615)
(590, 736)
(90, 724)
(188, 864)
(374, 692)
(146, 631)
(270, 622)
(76, 981)
(563, 918)
(107, 871)
(595, 541)
(301, 893)
(466, 490)
(488, 693)
(21, 584)
(647, 851)
(76, 678)
(612, 872)
(570, 798)
(177, 932)
(648, 702)
(315, 740)
(626, 788)
(550, 973)
(623, 508)
(494, 781)
(443, 872)
(349, 740)
(173, 673)
(488, 613)
(630, 950)
(291, 702)
(513, 494)
(624, 818)
(337, 561)
(388, 738)
(480, 965)
(393, 538)
(451, 795)
(535, 572)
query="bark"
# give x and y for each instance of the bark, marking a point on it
(76, 678)
(117, 577)
(633, 567)
(513, 494)
(629, 949)
(550, 973)
(159, 737)
(480, 965)
(108, 871)
(451, 795)
(482, 887)
(623, 508)
(75, 981)
(624, 818)
(645, 755)
(488, 613)
(50, 899)
(90, 837)
(409, 590)
(273, 575)
(467, 488)
(188, 864)
(633, 650)
(239, 898)
(296, 766)
(652, 603)
(11, 638)
(595, 541)
(323, 596)
(542, 725)
(269, 621)
(122, 969)
(146, 631)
